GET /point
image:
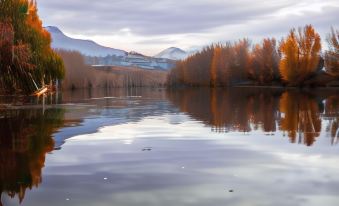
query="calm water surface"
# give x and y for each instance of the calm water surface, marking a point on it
(155, 147)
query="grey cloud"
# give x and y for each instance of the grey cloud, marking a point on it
(202, 22)
(151, 17)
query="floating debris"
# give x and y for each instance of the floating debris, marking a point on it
(147, 149)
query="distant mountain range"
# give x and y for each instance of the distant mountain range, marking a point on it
(99, 55)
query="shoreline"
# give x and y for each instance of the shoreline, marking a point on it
(192, 87)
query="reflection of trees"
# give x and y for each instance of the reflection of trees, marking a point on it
(332, 114)
(300, 117)
(229, 115)
(237, 109)
(25, 138)
(245, 110)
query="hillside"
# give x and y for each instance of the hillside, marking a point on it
(96, 54)
(86, 47)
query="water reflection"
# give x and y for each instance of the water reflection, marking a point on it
(332, 115)
(150, 118)
(25, 138)
(300, 117)
(297, 114)
(240, 110)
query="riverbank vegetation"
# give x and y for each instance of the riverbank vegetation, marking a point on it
(294, 61)
(78, 75)
(27, 60)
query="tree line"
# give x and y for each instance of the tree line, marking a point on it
(78, 75)
(27, 60)
(292, 61)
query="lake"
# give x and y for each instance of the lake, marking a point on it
(133, 147)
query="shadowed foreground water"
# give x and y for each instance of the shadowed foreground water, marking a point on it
(180, 147)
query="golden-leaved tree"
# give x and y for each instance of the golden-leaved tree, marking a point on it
(300, 55)
(26, 53)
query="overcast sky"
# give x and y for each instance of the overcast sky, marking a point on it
(149, 26)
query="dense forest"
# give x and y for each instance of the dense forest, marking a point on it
(294, 61)
(27, 60)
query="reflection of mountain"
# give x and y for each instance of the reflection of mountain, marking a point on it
(245, 110)
(108, 107)
(25, 138)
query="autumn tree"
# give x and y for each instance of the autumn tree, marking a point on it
(300, 55)
(296, 60)
(15, 60)
(265, 62)
(29, 55)
(216, 65)
(332, 55)
(194, 70)
(240, 66)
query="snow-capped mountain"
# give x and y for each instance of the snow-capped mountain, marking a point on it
(172, 53)
(86, 47)
(97, 55)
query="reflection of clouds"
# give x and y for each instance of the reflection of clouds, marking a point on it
(189, 164)
(260, 170)
(168, 126)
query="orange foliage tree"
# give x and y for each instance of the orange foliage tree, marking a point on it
(296, 60)
(300, 55)
(193, 71)
(25, 46)
(265, 62)
(216, 64)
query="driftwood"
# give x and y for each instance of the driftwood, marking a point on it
(41, 91)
